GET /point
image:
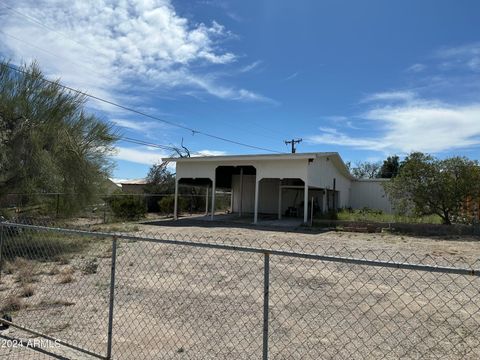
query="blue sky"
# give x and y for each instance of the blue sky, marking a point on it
(364, 78)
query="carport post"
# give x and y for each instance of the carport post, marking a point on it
(241, 192)
(324, 200)
(280, 200)
(255, 216)
(206, 201)
(305, 203)
(175, 206)
(213, 198)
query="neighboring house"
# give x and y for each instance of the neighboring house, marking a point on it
(135, 186)
(282, 184)
(111, 187)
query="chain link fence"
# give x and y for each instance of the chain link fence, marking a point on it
(132, 296)
(108, 208)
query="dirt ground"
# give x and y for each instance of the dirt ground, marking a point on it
(174, 301)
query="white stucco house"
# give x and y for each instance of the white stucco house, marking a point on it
(281, 184)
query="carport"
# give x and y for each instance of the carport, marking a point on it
(280, 185)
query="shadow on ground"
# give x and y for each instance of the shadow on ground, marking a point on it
(265, 223)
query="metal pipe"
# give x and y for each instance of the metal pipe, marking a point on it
(347, 260)
(266, 294)
(1, 248)
(112, 298)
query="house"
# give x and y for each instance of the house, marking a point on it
(135, 186)
(281, 184)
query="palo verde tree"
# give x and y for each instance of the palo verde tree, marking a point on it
(48, 143)
(426, 185)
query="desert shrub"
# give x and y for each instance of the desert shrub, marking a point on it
(329, 215)
(27, 291)
(12, 303)
(128, 207)
(90, 267)
(167, 204)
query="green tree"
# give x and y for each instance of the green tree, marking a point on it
(365, 170)
(426, 185)
(48, 143)
(389, 168)
(160, 180)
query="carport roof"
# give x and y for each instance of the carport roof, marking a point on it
(286, 156)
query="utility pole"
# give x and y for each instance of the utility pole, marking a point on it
(293, 142)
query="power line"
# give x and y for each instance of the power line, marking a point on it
(37, 22)
(51, 54)
(68, 37)
(192, 130)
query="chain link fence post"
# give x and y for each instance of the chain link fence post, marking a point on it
(266, 290)
(112, 298)
(1, 247)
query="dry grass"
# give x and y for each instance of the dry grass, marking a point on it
(27, 291)
(22, 268)
(54, 303)
(12, 303)
(66, 279)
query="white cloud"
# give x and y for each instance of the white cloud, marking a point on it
(427, 126)
(251, 66)
(330, 136)
(291, 76)
(139, 155)
(416, 68)
(466, 56)
(432, 127)
(390, 96)
(101, 46)
(142, 126)
(148, 155)
(209, 153)
(402, 121)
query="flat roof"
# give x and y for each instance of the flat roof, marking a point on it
(285, 156)
(134, 182)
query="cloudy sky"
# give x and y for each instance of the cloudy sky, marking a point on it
(365, 78)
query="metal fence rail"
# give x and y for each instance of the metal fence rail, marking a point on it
(123, 296)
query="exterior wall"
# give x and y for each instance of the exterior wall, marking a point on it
(248, 201)
(289, 168)
(268, 200)
(268, 196)
(133, 188)
(370, 193)
(196, 170)
(321, 173)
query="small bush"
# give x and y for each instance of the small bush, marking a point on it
(66, 275)
(128, 207)
(329, 215)
(167, 205)
(90, 267)
(66, 279)
(12, 303)
(27, 291)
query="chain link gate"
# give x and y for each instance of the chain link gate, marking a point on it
(171, 296)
